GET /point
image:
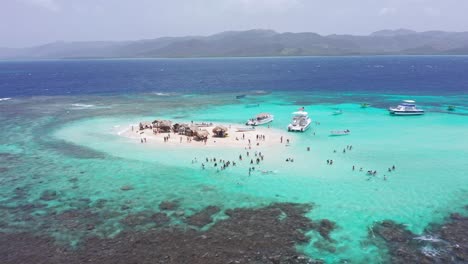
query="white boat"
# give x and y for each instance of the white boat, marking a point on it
(245, 129)
(408, 107)
(300, 122)
(260, 119)
(340, 132)
(338, 112)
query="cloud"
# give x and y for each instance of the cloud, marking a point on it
(50, 5)
(266, 5)
(384, 11)
(433, 12)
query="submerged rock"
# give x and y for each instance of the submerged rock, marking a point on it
(168, 205)
(160, 219)
(325, 227)
(48, 195)
(141, 218)
(126, 188)
(447, 243)
(203, 217)
(253, 235)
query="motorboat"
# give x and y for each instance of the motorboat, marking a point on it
(451, 108)
(240, 96)
(365, 105)
(260, 119)
(340, 132)
(245, 129)
(338, 112)
(407, 107)
(300, 121)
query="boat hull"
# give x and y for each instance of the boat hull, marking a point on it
(406, 113)
(258, 123)
(292, 128)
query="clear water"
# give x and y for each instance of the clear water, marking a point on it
(46, 141)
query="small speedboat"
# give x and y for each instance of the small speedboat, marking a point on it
(338, 112)
(340, 132)
(240, 96)
(245, 129)
(260, 119)
(365, 105)
(451, 108)
(408, 107)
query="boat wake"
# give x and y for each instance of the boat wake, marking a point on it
(164, 94)
(5, 99)
(81, 106)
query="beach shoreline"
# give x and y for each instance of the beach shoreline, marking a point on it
(261, 136)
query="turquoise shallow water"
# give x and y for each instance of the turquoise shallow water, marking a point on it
(71, 145)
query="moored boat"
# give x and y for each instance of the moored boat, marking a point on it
(245, 129)
(407, 107)
(365, 105)
(300, 122)
(260, 119)
(340, 132)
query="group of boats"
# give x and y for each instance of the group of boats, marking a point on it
(301, 121)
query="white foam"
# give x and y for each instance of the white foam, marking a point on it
(428, 238)
(83, 105)
(5, 99)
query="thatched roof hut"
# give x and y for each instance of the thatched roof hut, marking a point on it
(145, 125)
(187, 130)
(220, 131)
(201, 134)
(163, 125)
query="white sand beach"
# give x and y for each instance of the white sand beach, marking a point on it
(261, 136)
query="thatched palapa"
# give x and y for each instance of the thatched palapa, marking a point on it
(220, 131)
(201, 134)
(145, 125)
(187, 130)
(163, 125)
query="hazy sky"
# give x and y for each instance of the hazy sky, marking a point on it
(32, 22)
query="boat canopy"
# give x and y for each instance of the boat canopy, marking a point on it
(263, 115)
(300, 113)
(409, 101)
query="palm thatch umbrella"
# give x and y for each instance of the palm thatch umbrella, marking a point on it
(220, 131)
(144, 125)
(164, 125)
(201, 134)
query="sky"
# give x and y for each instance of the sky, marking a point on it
(26, 23)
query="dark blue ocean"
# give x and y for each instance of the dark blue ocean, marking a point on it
(413, 75)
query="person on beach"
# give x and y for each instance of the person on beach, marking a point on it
(393, 167)
(353, 167)
(308, 148)
(281, 139)
(141, 140)
(240, 157)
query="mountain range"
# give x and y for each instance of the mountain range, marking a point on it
(255, 43)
